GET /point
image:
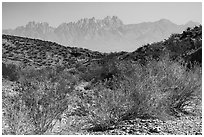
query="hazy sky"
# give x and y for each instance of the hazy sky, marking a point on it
(18, 14)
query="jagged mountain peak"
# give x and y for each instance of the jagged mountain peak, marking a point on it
(86, 21)
(93, 23)
(108, 21)
(33, 24)
(113, 21)
(106, 34)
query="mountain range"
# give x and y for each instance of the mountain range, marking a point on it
(106, 35)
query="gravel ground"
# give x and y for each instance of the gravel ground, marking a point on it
(189, 125)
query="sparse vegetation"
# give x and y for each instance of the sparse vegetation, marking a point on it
(118, 89)
(160, 90)
(42, 94)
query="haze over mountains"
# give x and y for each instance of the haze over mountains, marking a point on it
(106, 35)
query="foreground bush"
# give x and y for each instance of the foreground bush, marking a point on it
(161, 90)
(40, 101)
(10, 71)
(167, 88)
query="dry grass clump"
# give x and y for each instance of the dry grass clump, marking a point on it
(41, 99)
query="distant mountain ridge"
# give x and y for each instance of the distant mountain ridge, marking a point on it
(106, 35)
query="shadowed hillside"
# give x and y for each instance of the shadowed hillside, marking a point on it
(35, 52)
(186, 45)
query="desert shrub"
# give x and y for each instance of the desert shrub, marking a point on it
(100, 71)
(15, 116)
(104, 107)
(42, 97)
(10, 72)
(90, 72)
(186, 89)
(109, 100)
(166, 88)
(161, 90)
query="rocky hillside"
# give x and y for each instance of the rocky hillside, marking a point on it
(106, 35)
(187, 45)
(35, 52)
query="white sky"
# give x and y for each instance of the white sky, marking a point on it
(55, 13)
